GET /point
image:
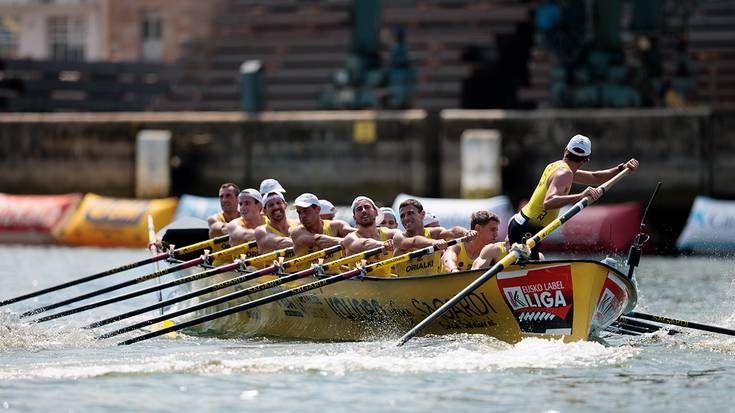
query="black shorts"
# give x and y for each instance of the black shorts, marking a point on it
(519, 233)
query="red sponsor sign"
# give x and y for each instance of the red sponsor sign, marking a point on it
(611, 302)
(541, 299)
(34, 212)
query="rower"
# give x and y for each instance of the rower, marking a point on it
(416, 236)
(326, 209)
(314, 233)
(228, 202)
(387, 218)
(460, 257)
(368, 235)
(274, 234)
(552, 191)
(250, 206)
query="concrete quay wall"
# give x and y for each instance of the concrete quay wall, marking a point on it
(339, 155)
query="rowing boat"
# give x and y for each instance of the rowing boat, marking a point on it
(557, 299)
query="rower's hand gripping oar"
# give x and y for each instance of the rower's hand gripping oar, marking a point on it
(187, 264)
(193, 277)
(296, 290)
(509, 259)
(234, 281)
(158, 257)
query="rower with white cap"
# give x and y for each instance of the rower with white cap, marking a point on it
(387, 218)
(274, 234)
(552, 191)
(326, 209)
(250, 206)
(368, 235)
(314, 233)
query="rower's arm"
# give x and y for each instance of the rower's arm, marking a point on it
(215, 226)
(269, 241)
(449, 259)
(488, 256)
(404, 243)
(603, 175)
(301, 237)
(558, 183)
(448, 233)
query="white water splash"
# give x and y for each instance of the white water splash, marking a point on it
(17, 334)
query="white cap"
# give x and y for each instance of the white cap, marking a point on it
(388, 210)
(580, 145)
(326, 207)
(271, 196)
(270, 185)
(252, 193)
(430, 219)
(382, 213)
(362, 198)
(306, 200)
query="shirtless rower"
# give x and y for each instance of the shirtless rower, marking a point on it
(368, 235)
(228, 202)
(250, 206)
(461, 256)
(416, 237)
(314, 233)
(274, 234)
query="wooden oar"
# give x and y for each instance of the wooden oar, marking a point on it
(187, 264)
(293, 291)
(681, 323)
(193, 277)
(158, 257)
(243, 293)
(234, 281)
(509, 259)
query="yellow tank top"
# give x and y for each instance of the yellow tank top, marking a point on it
(221, 218)
(384, 271)
(301, 251)
(464, 262)
(424, 265)
(276, 231)
(534, 209)
(503, 251)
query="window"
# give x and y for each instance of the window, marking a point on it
(151, 35)
(66, 38)
(8, 37)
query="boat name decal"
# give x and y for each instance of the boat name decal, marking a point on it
(473, 305)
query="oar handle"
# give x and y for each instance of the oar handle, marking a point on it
(411, 255)
(234, 251)
(200, 245)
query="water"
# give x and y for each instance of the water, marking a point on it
(56, 367)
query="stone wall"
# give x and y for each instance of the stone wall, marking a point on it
(339, 155)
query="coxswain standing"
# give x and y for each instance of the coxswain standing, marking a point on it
(552, 191)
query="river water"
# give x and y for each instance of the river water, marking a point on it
(57, 367)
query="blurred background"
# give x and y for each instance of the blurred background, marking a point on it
(349, 97)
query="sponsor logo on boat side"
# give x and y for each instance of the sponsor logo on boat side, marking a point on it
(541, 299)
